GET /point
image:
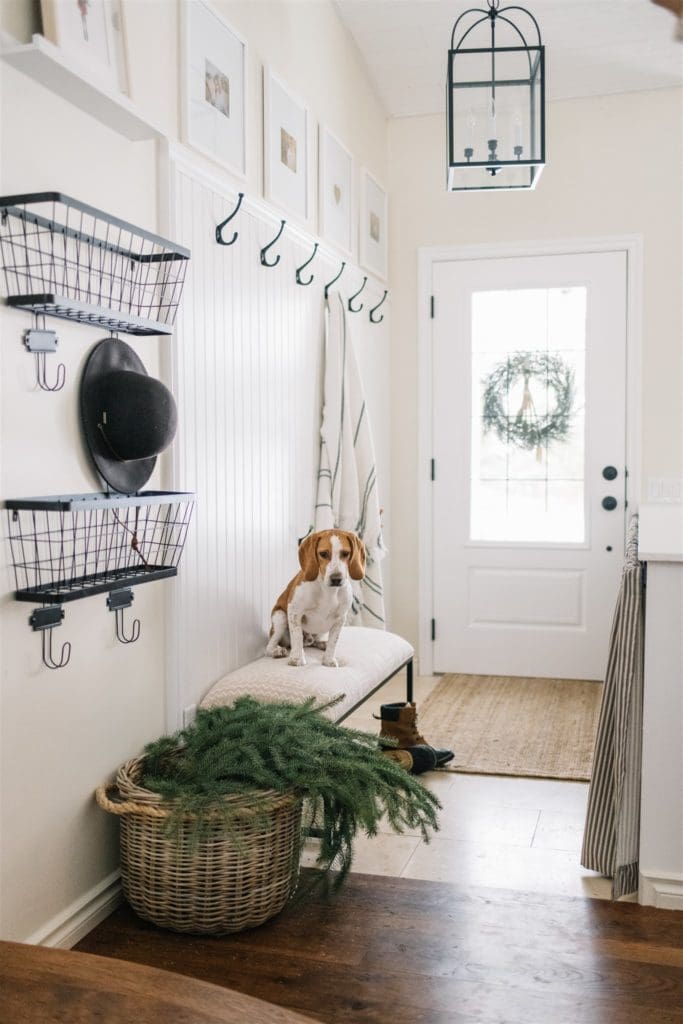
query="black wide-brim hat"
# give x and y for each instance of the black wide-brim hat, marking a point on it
(128, 417)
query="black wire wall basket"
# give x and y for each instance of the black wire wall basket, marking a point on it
(69, 547)
(66, 259)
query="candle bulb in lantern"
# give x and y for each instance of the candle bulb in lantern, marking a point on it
(492, 123)
(471, 125)
(492, 136)
(517, 135)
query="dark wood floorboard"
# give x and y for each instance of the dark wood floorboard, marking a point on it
(400, 951)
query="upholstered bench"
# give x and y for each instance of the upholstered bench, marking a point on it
(367, 659)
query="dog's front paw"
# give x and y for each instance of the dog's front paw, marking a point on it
(279, 652)
(297, 662)
(330, 663)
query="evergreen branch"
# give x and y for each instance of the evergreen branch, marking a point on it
(252, 747)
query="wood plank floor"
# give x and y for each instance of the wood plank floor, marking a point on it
(400, 951)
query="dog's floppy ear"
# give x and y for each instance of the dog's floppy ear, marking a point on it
(307, 557)
(358, 556)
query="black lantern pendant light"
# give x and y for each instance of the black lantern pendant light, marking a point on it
(496, 100)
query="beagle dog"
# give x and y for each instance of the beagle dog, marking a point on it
(316, 601)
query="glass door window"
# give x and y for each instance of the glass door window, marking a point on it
(528, 415)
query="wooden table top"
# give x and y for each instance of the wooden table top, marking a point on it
(39, 985)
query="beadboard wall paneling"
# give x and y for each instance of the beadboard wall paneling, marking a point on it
(246, 371)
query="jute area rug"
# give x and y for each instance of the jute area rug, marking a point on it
(498, 725)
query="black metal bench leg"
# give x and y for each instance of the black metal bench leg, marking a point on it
(409, 681)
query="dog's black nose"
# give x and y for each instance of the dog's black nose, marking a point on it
(336, 579)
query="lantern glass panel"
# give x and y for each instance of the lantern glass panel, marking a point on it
(495, 118)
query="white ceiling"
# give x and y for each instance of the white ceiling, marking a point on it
(593, 47)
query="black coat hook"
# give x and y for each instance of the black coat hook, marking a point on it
(219, 227)
(46, 620)
(375, 308)
(330, 283)
(117, 601)
(355, 295)
(120, 634)
(41, 376)
(264, 250)
(303, 265)
(41, 341)
(48, 659)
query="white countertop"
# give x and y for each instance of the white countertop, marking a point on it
(660, 532)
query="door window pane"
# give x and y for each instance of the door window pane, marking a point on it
(528, 415)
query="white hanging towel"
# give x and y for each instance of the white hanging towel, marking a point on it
(347, 479)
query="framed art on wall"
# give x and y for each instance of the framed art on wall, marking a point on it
(213, 87)
(373, 225)
(91, 33)
(335, 189)
(286, 149)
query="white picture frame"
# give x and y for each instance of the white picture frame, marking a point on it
(213, 87)
(287, 150)
(335, 192)
(92, 33)
(373, 247)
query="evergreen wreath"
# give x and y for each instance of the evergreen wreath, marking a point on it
(526, 428)
(254, 747)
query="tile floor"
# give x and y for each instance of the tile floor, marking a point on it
(508, 833)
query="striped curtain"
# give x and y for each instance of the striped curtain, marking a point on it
(612, 830)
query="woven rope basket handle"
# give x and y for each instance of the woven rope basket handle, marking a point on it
(126, 806)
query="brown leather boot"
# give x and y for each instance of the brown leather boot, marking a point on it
(415, 760)
(399, 722)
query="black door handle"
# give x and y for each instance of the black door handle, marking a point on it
(610, 472)
(609, 503)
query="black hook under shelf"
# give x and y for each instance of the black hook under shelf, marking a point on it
(355, 296)
(40, 342)
(264, 250)
(45, 620)
(334, 279)
(375, 308)
(117, 602)
(41, 376)
(304, 265)
(219, 227)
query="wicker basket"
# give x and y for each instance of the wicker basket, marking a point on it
(230, 879)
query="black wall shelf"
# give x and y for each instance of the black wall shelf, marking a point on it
(65, 548)
(66, 259)
(69, 309)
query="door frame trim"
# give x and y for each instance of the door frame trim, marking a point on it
(427, 257)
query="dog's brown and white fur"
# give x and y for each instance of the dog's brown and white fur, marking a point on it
(316, 601)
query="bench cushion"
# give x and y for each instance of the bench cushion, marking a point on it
(366, 657)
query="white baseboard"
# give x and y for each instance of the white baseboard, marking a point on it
(660, 891)
(69, 927)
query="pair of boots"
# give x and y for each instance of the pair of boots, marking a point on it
(399, 722)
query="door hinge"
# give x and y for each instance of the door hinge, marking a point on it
(431, 306)
(433, 629)
(433, 469)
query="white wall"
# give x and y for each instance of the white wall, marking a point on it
(64, 732)
(615, 167)
(247, 372)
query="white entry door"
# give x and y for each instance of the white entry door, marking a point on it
(529, 431)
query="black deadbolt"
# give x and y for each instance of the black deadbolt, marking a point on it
(610, 472)
(609, 503)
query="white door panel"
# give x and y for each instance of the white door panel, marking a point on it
(529, 384)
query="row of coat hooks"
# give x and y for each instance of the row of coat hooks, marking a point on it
(265, 262)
